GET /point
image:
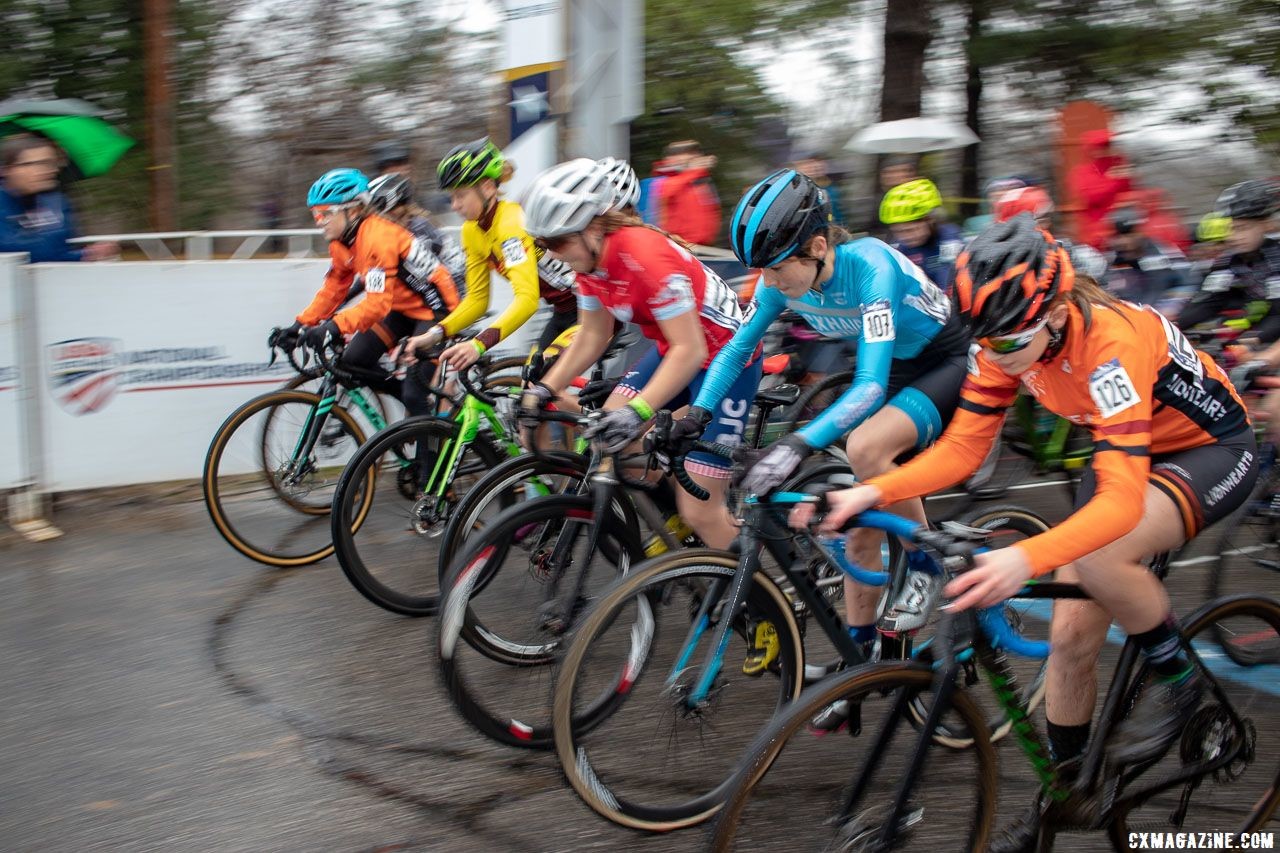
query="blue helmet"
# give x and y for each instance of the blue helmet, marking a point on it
(776, 217)
(338, 186)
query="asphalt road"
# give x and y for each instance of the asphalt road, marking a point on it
(163, 693)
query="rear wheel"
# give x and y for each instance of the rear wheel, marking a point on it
(794, 791)
(1243, 794)
(816, 399)
(1246, 558)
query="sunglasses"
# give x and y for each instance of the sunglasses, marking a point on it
(324, 214)
(1007, 344)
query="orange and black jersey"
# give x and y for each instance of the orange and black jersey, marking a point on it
(382, 254)
(1131, 379)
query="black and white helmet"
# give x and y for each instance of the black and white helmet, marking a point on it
(1258, 199)
(626, 186)
(565, 198)
(390, 191)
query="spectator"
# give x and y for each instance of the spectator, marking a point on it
(1141, 269)
(895, 170)
(688, 206)
(648, 204)
(35, 215)
(392, 156)
(814, 166)
(1095, 185)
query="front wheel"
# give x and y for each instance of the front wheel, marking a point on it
(661, 760)
(794, 791)
(506, 609)
(268, 495)
(389, 558)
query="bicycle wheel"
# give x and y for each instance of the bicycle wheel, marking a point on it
(1243, 795)
(499, 676)
(655, 763)
(816, 399)
(1008, 525)
(792, 791)
(521, 478)
(1246, 558)
(268, 505)
(389, 557)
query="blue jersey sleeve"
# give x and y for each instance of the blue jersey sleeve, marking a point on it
(732, 358)
(879, 302)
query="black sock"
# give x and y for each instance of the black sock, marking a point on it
(1164, 650)
(1067, 742)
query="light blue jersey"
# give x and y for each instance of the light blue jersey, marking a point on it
(876, 298)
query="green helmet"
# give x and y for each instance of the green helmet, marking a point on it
(467, 165)
(1213, 228)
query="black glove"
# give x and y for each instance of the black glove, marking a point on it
(318, 336)
(595, 392)
(687, 430)
(779, 462)
(617, 429)
(286, 338)
(533, 402)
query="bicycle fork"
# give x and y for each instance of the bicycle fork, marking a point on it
(301, 464)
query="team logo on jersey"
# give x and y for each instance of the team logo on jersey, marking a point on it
(84, 373)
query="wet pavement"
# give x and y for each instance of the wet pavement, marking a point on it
(164, 693)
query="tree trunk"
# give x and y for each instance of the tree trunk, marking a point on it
(907, 32)
(970, 179)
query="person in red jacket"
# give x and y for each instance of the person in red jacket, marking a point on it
(1096, 184)
(687, 202)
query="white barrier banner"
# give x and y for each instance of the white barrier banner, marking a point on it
(11, 468)
(141, 362)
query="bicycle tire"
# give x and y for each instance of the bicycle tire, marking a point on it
(358, 561)
(1247, 547)
(213, 492)
(522, 660)
(465, 518)
(859, 684)
(654, 581)
(1197, 740)
(817, 398)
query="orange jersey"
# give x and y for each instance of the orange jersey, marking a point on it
(1131, 379)
(380, 249)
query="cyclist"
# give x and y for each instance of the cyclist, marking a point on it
(493, 236)
(913, 212)
(1249, 269)
(1035, 201)
(1174, 452)
(638, 274)
(383, 256)
(1211, 233)
(1141, 269)
(911, 358)
(391, 195)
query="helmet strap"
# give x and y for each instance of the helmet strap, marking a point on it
(353, 225)
(1057, 339)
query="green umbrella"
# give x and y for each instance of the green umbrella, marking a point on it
(92, 145)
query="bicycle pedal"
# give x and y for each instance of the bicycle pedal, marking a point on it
(765, 648)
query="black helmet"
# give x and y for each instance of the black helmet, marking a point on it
(388, 153)
(1008, 276)
(775, 218)
(1126, 220)
(390, 190)
(467, 165)
(1249, 200)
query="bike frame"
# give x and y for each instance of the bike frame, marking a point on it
(332, 393)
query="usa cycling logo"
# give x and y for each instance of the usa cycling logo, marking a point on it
(84, 373)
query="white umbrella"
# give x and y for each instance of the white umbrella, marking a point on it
(911, 136)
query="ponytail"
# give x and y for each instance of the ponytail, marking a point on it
(612, 220)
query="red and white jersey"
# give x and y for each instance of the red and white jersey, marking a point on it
(645, 278)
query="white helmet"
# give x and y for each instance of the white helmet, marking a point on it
(626, 186)
(565, 198)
